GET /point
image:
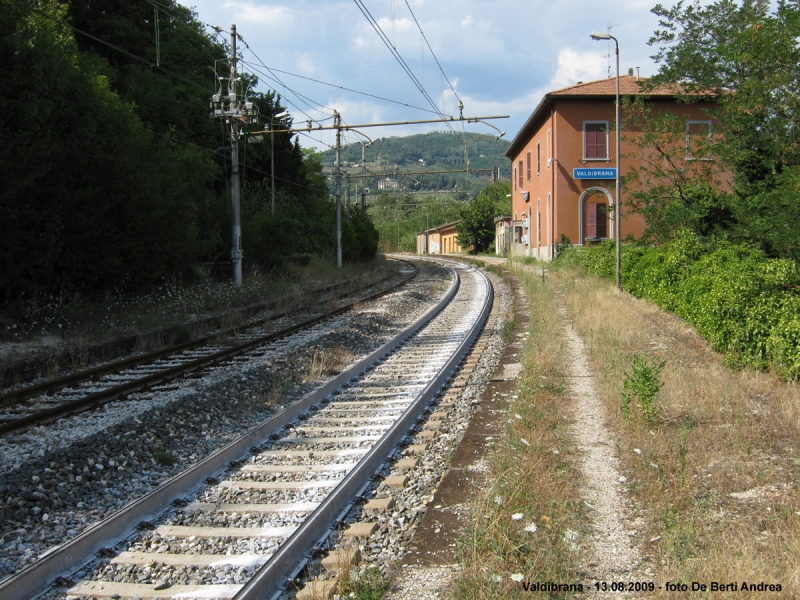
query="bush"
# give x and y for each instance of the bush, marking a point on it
(744, 303)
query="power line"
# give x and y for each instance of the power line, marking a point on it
(374, 23)
(276, 78)
(288, 101)
(341, 87)
(431, 49)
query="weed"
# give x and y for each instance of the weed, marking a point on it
(369, 585)
(165, 458)
(508, 326)
(642, 383)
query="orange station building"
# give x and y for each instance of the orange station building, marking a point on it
(563, 165)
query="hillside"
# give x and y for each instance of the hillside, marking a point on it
(435, 151)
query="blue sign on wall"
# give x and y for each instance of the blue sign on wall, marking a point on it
(606, 173)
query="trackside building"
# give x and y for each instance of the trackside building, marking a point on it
(563, 165)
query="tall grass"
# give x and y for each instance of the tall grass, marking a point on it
(713, 465)
(524, 519)
(118, 312)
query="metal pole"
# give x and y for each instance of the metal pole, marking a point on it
(363, 172)
(272, 160)
(337, 120)
(236, 226)
(618, 212)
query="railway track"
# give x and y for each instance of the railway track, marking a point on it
(83, 390)
(273, 506)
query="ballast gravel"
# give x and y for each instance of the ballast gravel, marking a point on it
(59, 479)
(384, 549)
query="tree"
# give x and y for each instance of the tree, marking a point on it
(746, 57)
(671, 192)
(476, 227)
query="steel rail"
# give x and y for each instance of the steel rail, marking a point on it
(64, 559)
(272, 578)
(88, 374)
(101, 397)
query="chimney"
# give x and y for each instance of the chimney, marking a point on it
(630, 72)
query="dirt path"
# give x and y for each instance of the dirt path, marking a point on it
(611, 553)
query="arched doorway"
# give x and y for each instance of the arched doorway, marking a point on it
(606, 213)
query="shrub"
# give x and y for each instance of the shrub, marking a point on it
(744, 303)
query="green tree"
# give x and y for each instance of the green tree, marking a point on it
(745, 55)
(671, 192)
(476, 227)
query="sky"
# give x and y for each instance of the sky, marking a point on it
(500, 56)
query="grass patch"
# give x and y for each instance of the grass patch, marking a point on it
(368, 585)
(162, 315)
(713, 462)
(523, 524)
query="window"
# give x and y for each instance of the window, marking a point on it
(596, 221)
(549, 148)
(529, 165)
(538, 158)
(519, 173)
(698, 140)
(595, 140)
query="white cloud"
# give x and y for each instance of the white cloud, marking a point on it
(575, 66)
(306, 64)
(467, 21)
(279, 17)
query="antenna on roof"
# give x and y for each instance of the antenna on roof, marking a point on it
(609, 27)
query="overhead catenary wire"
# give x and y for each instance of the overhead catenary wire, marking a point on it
(278, 79)
(347, 89)
(374, 24)
(432, 52)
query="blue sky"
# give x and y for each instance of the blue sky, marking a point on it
(500, 55)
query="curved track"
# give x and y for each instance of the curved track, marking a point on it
(307, 466)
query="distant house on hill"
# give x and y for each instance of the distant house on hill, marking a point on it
(563, 164)
(387, 183)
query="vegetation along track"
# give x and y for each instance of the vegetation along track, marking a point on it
(309, 463)
(82, 390)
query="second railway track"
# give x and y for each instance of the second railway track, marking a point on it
(49, 400)
(264, 495)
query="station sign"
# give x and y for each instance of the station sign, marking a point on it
(583, 173)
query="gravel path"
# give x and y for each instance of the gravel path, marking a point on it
(612, 553)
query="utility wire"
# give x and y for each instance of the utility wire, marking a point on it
(365, 11)
(300, 110)
(431, 49)
(276, 78)
(341, 87)
(110, 45)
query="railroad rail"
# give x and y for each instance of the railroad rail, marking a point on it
(305, 468)
(93, 387)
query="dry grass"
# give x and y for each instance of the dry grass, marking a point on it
(715, 474)
(327, 363)
(530, 475)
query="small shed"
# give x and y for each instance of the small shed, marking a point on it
(439, 240)
(502, 235)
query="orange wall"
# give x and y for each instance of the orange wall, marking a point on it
(566, 124)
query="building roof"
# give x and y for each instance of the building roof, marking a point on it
(443, 226)
(629, 85)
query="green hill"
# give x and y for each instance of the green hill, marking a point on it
(427, 152)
